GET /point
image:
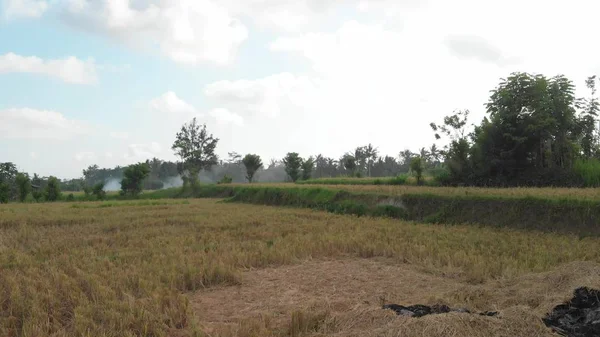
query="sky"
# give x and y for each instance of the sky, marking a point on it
(110, 82)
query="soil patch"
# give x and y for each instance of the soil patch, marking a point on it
(344, 298)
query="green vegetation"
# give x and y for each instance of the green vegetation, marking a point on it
(399, 180)
(293, 165)
(133, 178)
(252, 163)
(98, 191)
(196, 148)
(551, 215)
(23, 185)
(52, 190)
(534, 135)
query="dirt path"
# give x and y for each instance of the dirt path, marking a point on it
(343, 298)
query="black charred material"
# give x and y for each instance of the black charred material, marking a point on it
(419, 310)
(579, 317)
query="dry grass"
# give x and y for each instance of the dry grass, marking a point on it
(545, 192)
(342, 298)
(125, 271)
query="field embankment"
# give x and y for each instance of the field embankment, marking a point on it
(562, 215)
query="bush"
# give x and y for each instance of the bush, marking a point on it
(37, 195)
(227, 179)
(4, 193)
(399, 180)
(70, 197)
(133, 179)
(23, 185)
(52, 191)
(441, 176)
(588, 171)
(98, 191)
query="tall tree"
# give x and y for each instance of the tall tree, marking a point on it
(4, 193)
(588, 120)
(8, 174)
(292, 163)
(133, 179)
(416, 166)
(349, 163)
(253, 163)
(23, 185)
(196, 148)
(370, 153)
(307, 167)
(52, 190)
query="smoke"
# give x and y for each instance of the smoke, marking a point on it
(113, 184)
(173, 182)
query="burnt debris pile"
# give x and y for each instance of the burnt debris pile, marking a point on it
(419, 310)
(579, 317)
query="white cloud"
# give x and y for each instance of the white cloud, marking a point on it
(85, 156)
(476, 47)
(187, 31)
(27, 123)
(24, 8)
(225, 116)
(119, 135)
(170, 103)
(33, 155)
(70, 69)
(143, 151)
(264, 97)
(108, 155)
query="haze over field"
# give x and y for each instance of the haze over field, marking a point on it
(109, 83)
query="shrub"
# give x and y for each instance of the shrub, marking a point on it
(23, 185)
(4, 193)
(416, 166)
(133, 178)
(589, 171)
(70, 197)
(37, 195)
(98, 191)
(441, 176)
(227, 179)
(52, 191)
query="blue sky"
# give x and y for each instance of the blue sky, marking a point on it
(110, 82)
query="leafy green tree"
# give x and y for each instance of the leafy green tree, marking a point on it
(307, 167)
(23, 185)
(52, 190)
(292, 163)
(8, 174)
(588, 120)
(133, 179)
(4, 193)
(349, 163)
(98, 191)
(416, 166)
(196, 148)
(253, 163)
(91, 175)
(370, 153)
(36, 184)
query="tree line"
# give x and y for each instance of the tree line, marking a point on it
(536, 133)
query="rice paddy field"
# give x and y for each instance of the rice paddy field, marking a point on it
(203, 267)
